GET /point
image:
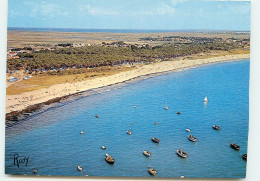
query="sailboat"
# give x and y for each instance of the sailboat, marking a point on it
(206, 99)
(166, 107)
(130, 131)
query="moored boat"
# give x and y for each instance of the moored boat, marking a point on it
(97, 116)
(166, 107)
(216, 127)
(146, 153)
(103, 147)
(155, 123)
(244, 156)
(109, 159)
(152, 171)
(188, 130)
(81, 132)
(206, 99)
(192, 138)
(178, 113)
(80, 168)
(182, 154)
(129, 131)
(235, 146)
(155, 140)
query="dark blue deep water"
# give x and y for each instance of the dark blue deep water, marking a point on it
(53, 142)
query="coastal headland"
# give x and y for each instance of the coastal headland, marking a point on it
(154, 54)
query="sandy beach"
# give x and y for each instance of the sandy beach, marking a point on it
(22, 101)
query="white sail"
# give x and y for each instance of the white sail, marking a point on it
(206, 99)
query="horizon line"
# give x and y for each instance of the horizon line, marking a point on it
(168, 30)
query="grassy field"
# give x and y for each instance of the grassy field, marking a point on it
(36, 39)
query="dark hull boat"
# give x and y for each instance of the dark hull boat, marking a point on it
(109, 159)
(216, 127)
(155, 140)
(234, 146)
(192, 138)
(244, 156)
(181, 154)
(152, 171)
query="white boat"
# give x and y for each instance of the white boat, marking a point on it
(182, 154)
(166, 107)
(146, 153)
(192, 138)
(130, 131)
(103, 147)
(206, 99)
(80, 168)
(81, 132)
(188, 130)
(134, 106)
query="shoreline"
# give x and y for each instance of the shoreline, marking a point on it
(67, 92)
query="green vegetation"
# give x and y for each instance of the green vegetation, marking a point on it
(98, 56)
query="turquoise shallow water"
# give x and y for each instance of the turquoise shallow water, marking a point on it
(53, 142)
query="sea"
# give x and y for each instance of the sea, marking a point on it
(52, 144)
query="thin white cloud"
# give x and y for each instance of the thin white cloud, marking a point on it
(163, 9)
(175, 2)
(97, 10)
(45, 9)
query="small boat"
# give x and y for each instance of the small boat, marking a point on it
(182, 154)
(166, 107)
(192, 138)
(97, 116)
(109, 159)
(129, 131)
(206, 99)
(216, 127)
(178, 112)
(80, 168)
(155, 123)
(244, 156)
(103, 147)
(81, 132)
(234, 146)
(133, 123)
(146, 153)
(35, 171)
(155, 140)
(152, 171)
(182, 176)
(188, 130)
(134, 106)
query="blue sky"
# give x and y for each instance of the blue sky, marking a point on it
(130, 14)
